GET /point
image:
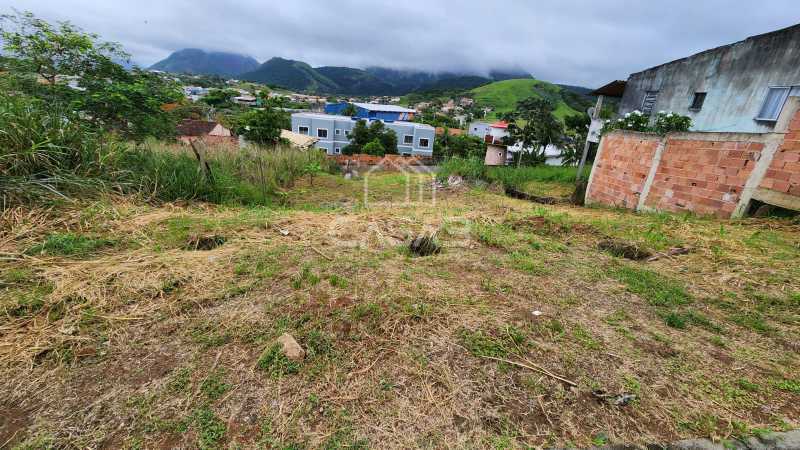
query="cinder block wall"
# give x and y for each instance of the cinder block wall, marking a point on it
(714, 174)
(620, 170)
(783, 174)
(703, 176)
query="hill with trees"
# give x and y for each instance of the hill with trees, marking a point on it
(200, 62)
(503, 96)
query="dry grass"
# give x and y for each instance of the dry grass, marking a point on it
(140, 343)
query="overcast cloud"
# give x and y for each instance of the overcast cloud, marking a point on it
(567, 41)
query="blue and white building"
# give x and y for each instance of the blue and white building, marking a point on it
(333, 132)
(371, 111)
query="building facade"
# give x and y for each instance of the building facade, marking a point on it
(498, 154)
(333, 132)
(741, 87)
(371, 111)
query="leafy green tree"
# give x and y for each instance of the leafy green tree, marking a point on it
(374, 148)
(220, 98)
(364, 134)
(128, 103)
(349, 110)
(48, 50)
(463, 146)
(534, 126)
(576, 129)
(262, 126)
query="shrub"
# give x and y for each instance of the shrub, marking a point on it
(374, 148)
(469, 168)
(664, 122)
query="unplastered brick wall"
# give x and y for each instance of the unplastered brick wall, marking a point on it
(621, 169)
(783, 174)
(716, 174)
(703, 176)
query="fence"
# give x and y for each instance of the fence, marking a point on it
(715, 174)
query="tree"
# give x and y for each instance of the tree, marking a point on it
(349, 110)
(220, 98)
(533, 126)
(374, 148)
(576, 127)
(128, 103)
(464, 146)
(262, 126)
(362, 135)
(131, 104)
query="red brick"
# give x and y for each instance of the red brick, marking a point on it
(780, 186)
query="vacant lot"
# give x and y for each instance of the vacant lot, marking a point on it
(129, 325)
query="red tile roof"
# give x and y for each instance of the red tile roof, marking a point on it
(500, 124)
(190, 127)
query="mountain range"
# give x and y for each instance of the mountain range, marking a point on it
(200, 62)
(300, 76)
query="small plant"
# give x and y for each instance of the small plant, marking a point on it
(663, 123)
(425, 245)
(675, 320)
(180, 380)
(210, 428)
(213, 386)
(306, 276)
(667, 122)
(69, 244)
(789, 385)
(275, 362)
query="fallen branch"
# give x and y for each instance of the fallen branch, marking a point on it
(671, 252)
(319, 252)
(535, 368)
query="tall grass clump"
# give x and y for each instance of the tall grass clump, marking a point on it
(471, 169)
(252, 175)
(45, 150)
(509, 176)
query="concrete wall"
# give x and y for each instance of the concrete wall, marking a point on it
(716, 174)
(735, 77)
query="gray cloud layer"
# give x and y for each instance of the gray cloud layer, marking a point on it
(570, 41)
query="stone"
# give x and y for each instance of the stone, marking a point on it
(291, 348)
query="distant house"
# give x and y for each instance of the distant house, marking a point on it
(373, 111)
(246, 100)
(740, 87)
(450, 131)
(190, 130)
(333, 132)
(498, 153)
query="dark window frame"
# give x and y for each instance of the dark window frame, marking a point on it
(698, 101)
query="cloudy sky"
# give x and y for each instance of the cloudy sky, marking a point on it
(583, 42)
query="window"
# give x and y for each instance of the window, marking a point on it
(303, 130)
(322, 133)
(338, 132)
(347, 133)
(697, 101)
(773, 104)
(337, 150)
(423, 143)
(408, 139)
(649, 102)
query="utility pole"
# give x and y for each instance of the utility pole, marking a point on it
(594, 116)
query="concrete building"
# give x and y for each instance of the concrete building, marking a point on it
(334, 131)
(498, 154)
(373, 111)
(741, 87)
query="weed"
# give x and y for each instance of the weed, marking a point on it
(656, 289)
(305, 277)
(69, 244)
(753, 320)
(213, 386)
(787, 385)
(210, 428)
(675, 320)
(338, 281)
(208, 335)
(275, 362)
(748, 385)
(317, 343)
(585, 338)
(180, 380)
(481, 343)
(524, 262)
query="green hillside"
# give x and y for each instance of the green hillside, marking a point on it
(504, 95)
